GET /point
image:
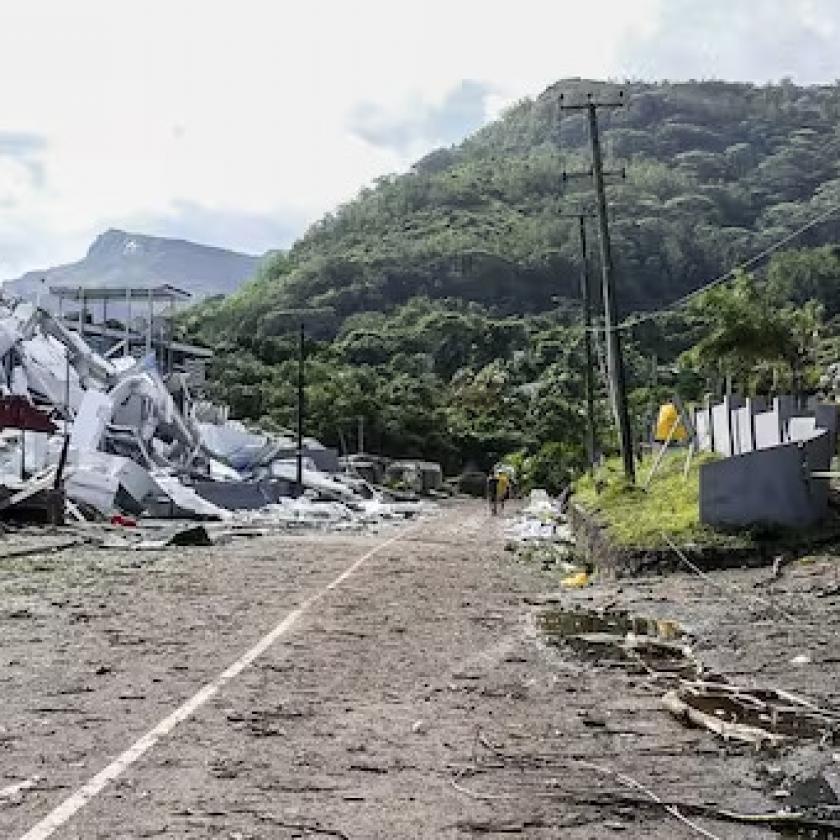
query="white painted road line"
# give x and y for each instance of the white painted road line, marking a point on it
(60, 815)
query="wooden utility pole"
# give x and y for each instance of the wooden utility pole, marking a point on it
(300, 410)
(586, 299)
(586, 294)
(615, 361)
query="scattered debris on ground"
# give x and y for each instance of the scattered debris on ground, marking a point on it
(756, 714)
(443, 705)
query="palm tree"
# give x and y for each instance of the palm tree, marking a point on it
(752, 332)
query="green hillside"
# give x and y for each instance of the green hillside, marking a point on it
(453, 288)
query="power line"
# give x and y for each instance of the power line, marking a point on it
(633, 320)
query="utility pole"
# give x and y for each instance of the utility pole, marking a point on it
(586, 298)
(299, 315)
(615, 361)
(300, 410)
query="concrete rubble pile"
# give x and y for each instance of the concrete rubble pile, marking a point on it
(541, 519)
(543, 535)
(126, 443)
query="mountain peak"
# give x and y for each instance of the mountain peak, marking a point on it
(122, 258)
(113, 241)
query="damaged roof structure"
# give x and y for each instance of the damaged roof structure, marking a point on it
(118, 437)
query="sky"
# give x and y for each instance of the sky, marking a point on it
(240, 122)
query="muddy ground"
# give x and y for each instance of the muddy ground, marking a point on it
(416, 699)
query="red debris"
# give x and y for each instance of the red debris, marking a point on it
(16, 412)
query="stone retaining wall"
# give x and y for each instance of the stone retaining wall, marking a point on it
(594, 546)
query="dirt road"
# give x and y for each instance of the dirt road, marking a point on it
(412, 699)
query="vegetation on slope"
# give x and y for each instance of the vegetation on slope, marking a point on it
(635, 517)
(452, 290)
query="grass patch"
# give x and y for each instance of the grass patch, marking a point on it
(637, 518)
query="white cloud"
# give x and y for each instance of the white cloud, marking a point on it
(760, 41)
(238, 120)
(420, 125)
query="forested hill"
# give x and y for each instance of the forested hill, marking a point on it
(714, 172)
(451, 291)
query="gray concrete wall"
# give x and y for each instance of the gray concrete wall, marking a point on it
(324, 459)
(769, 455)
(770, 486)
(819, 451)
(827, 418)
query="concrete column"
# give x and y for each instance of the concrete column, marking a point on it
(751, 409)
(727, 410)
(711, 423)
(781, 419)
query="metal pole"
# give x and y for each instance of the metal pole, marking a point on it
(81, 311)
(300, 414)
(149, 329)
(127, 347)
(615, 362)
(66, 391)
(654, 384)
(587, 345)
(171, 336)
(361, 434)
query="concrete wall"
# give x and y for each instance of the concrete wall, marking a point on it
(768, 429)
(737, 426)
(769, 455)
(819, 450)
(325, 459)
(244, 495)
(827, 418)
(742, 424)
(703, 428)
(770, 486)
(801, 428)
(724, 431)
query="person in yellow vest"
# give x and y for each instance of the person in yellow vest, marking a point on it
(502, 489)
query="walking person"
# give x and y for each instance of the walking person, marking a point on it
(502, 489)
(493, 492)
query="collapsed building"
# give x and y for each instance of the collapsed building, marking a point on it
(117, 436)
